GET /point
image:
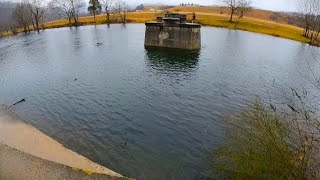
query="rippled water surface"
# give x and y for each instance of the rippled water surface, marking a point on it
(147, 114)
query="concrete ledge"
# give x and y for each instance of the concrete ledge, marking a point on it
(16, 165)
(16, 134)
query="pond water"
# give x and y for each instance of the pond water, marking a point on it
(148, 114)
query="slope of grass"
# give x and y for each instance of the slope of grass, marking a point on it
(280, 17)
(256, 20)
(134, 17)
(255, 25)
(205, 16)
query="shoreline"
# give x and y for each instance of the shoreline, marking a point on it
(16, 134)
(247, 24)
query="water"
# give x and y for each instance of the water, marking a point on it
(145, 114)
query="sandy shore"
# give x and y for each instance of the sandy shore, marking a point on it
(18, 135)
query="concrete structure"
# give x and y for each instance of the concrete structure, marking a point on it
(173, 31)
(17, 165)
(23, 142)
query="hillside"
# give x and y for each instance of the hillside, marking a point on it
(6, 9)
(279, 17)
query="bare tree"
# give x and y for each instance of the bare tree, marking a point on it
(306, 7)
(107, 5)
(237, 7)
(22, 16)
(53, 11)
(240, 13)
(12, 28)
(310, 10)
(9, 28)
(37, 9)
(66, 7)
(125, 10)
(121, 7)
(76, 5)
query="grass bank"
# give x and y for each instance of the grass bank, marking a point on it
(255, 25)
(209, 19)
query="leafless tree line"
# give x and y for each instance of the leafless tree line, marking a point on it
(116, 7)
(121, 8)
(29, 15)
(23, 16)
(71, 9)
(310, 16)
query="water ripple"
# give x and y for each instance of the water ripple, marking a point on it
(99, 92)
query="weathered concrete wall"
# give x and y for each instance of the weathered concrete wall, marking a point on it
(182, 36)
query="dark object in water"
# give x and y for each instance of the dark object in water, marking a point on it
(75, 79)
(292, 108)
(22, 100)
(273, 107)
(99, 44)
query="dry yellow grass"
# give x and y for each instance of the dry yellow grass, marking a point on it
(253, 13)
(255, 25)
(255, 21)
(134, 17)
(209, 16)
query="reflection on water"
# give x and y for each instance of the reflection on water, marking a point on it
(76, 38)
(172, 60)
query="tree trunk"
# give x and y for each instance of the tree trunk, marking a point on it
(231, 16)
(70, 20)
(305, 32)
(37, 24)
(33, 25)
(37, 18)
(75, 21)
(108, 18)
(69, 15)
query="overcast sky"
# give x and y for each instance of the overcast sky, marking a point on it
(275, 5)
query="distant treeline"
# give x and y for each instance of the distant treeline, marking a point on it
(30, 15)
